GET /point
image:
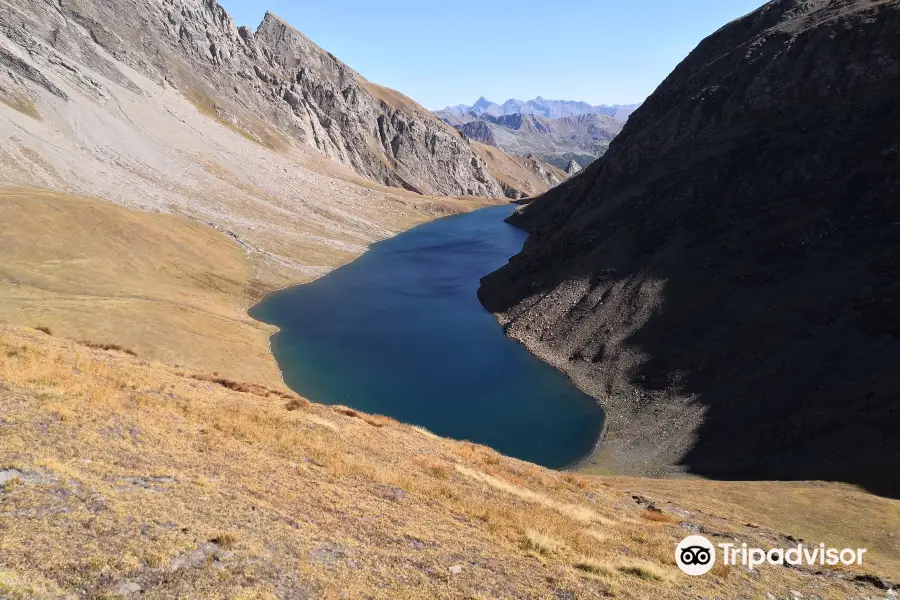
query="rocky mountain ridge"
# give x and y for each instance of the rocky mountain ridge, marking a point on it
(725, 280)
(550, 109)
(582, 138)
(273, 85)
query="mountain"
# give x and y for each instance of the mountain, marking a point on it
(726, 278)
(273, 86)
(551, 109)
(169, 108)
(582, 138)
(154, 186)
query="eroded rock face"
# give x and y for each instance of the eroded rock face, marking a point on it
(379, 132)
(726, 279)
(581, 139)
(572, 168)
(272, 84)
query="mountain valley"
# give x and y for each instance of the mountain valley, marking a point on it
(162, 170)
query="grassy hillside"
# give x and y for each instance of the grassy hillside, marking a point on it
(164, 286)
(123, 475)
(161, 285)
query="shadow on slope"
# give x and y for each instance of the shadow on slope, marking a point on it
(727, 280)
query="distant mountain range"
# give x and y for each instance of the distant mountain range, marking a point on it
(582, 138)
(551, 109)
(555, 131)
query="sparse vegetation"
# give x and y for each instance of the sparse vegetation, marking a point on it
(258, 133)
(643, 571)
(434, 467)
(594, 567)
(576, 480)
(226, 540)
(345, 410)
(251, 388)
(11, 484)
(108, 347)
(296, 404)
(233, 483)
(373, 420)
(425, 432)
(540, 543)
(20, 103)
(659, 516)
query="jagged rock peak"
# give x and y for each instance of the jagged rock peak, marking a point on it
(572, 168)
(273, 84)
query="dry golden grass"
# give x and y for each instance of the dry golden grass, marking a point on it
(839, 515)
(294, 402)
(392, 98)
(514, 171)
(540, 543)
(161, 286)
(136, 473)
(659, 516)
(165, 287)
(107, 347)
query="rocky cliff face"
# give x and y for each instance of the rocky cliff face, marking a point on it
(383, 134)
(274, 85)
(572, 168)
(582, 138)
(726, 279)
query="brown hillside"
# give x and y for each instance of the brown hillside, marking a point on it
(127, 477)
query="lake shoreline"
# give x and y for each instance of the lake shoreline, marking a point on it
(528, 446)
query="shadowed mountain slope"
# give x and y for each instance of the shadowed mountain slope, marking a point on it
(726, 280)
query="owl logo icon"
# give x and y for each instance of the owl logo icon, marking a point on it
(695, 555)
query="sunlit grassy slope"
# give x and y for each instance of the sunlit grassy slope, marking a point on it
(121, 474)
(161, 285)
(164, 286)
(124, 475)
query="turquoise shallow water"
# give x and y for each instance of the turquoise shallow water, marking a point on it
(401, 332)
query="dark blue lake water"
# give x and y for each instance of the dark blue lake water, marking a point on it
(400, 332)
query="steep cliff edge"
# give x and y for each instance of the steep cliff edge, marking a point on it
(726, 279)
(273, 85)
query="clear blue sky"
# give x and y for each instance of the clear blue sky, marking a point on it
(443, 53)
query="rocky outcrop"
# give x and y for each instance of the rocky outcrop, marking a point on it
(726, 279)
(381, 133)
(479, 131)
(273, 85)
(572, 168)
(522, 177)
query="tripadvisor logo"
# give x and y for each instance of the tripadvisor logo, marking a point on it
(696, 555)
